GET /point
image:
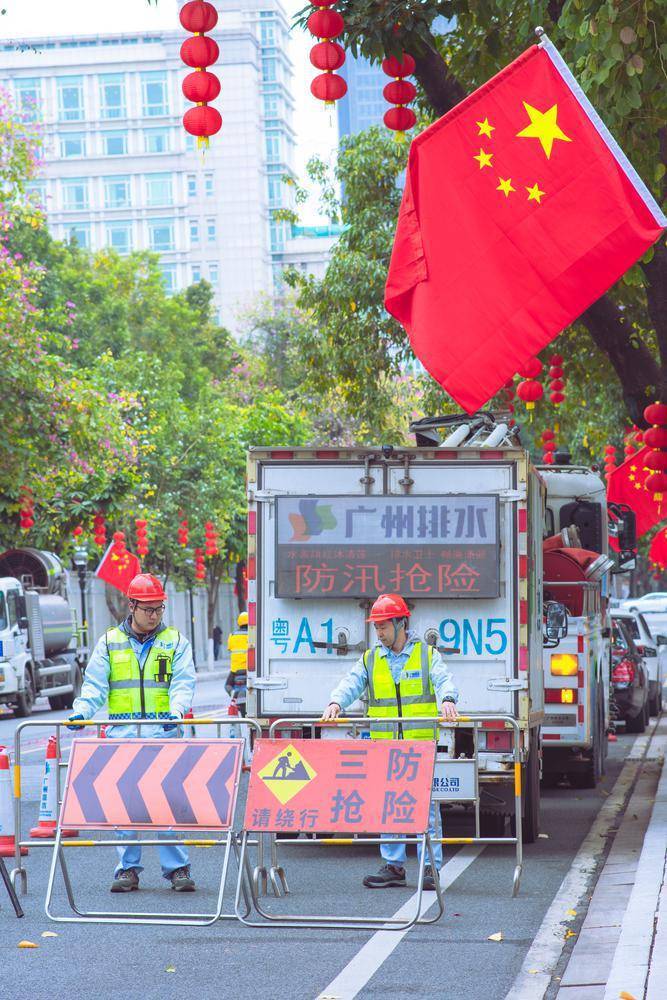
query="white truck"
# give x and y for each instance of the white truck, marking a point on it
(577, 673)
(455, 526)
(39, 654)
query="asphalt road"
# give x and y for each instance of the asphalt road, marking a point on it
(452, 960)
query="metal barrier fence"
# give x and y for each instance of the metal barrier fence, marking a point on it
(276, 873)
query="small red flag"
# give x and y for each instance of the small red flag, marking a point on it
(626, 485)
(519, 211)
(118, 567)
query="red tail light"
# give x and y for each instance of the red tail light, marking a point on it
(623, 672)
(561, 696)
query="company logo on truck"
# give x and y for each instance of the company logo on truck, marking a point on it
(313, 518)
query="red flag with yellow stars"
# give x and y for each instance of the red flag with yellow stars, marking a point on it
(118, 567)
(519, 211)
(626, 485)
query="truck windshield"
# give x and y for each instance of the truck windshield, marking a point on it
(3, 612)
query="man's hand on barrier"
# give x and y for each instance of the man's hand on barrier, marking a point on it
(331, 712)
(75, 724)
(168, 727)
(448, 711)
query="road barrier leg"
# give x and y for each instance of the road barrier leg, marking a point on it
(260, 878)
(11, 891)
(277, 872)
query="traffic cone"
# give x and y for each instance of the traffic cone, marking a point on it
(48, 803)
(7, 837)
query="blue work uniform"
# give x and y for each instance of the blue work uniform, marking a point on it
(353, 686)
(94, 694)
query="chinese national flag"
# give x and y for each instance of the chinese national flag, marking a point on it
(626, 485)
(658, 552)
(519, 211)
(118, 567)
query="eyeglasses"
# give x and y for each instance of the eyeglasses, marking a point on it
(150, 611)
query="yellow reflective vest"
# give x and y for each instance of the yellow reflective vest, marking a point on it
(135, 692)
(413, 696)
(237, 644)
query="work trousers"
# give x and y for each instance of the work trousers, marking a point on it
(396, 854)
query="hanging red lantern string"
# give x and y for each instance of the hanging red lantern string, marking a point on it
(27, 509)
(400, 92)
(142, 536)
(183, 533)
(556, 385)
(609, 460)
(327, 55)
(656, 459)
(200, 568)
(548, 446)
(200, 87)
(211, 536)
(99, 530)
(529, 391)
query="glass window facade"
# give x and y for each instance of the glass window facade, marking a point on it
(192, 185)
(116, 192)
(154, 94)
(213, 272)
(161, 234)
(114, 143)
(196, 273)
(112, 95)
(159, 190)
(78, 233)
(211, 230)
(169, 277)
(28, 96)
(208, 185)
(156, 140)
(73, 144)
(70, 99)
(119, 236)
(75, 194)
(194, 231)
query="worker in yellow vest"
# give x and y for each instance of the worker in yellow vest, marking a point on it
(143, 669)
(400, 675)
(236, 684)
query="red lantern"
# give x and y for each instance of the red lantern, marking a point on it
(202, 121)
(200, 568)
(549, 445)
(556, 398)
(609, 460)
(199, 51)
(548, 458)
(201, 87)
(327, 56)
(531, 369)
(328, 87)
(399, 93)
(657, 460)
(655, 437)
(27, 508)
(529, 392)
(211, 536)
(656, 483)
(183, 533)
(76, 532)
(548, 435)
(557, 384)
(656, 413)
(556, 359)
(142, 536)
(99, 530)
(326, 24)
(198, 16)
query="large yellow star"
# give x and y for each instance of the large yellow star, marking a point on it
(505, 186)
(534, 193)
(484, 159)
(543, 126)
(485, 128)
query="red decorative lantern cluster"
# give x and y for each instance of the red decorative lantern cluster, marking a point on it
(119, 543)
(556, 385)
(328, 56)
(27, 509)
(211, 536)
(609, 460)
(548, 446)
(142, 536)
(656, 439)
(530, 390)
(77, 532)
(200, 568)
(400, 92)
(200, 87)
(183, 532)
(100, 530)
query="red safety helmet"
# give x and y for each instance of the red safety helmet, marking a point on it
(388, 606)
(145, 587)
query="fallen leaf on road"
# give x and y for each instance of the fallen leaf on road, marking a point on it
(569, 934)
(543, 836)
(27, 944)
(533, 972)
(498, 936)
(49, 934)
(170, 968)
(571, 913)
(626, 996)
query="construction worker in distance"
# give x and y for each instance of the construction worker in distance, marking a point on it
(143, 669)
(402, 675)
(236, 684)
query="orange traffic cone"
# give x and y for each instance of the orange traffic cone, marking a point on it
(7, 836)
(48, 804)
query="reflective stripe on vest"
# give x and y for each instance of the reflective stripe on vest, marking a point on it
(415, 689)
(134, 692)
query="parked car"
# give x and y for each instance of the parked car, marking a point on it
(656, 601)
(629, 678)
(653, 648)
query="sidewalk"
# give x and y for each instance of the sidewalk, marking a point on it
(621, 950)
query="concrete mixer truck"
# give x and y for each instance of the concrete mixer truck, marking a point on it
(39, 649)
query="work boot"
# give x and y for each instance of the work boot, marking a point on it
(388, 877)
(125, 880)
(428, 884)
(181, 881)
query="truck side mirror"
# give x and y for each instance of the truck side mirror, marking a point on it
(555, 623)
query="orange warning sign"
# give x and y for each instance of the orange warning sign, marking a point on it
(340, 786)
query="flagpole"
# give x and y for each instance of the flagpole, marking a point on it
(622, 160)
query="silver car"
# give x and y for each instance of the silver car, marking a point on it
(656, 601)
(652, 645)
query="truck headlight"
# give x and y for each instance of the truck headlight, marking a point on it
(564, 664)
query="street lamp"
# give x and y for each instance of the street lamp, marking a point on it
(80, 560)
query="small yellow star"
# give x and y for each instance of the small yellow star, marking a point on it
(631, 478)
(638, 486)
(543, 126)
(534, 193)
(484, 159)
(485, 128)
(505, 186)
(633, 468)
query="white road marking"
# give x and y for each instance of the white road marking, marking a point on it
(377, 950)
(545, 951)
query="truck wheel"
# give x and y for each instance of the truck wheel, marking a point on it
(26, 698)
(636, 725)
(57, 703)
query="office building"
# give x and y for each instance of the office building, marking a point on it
(363, 104)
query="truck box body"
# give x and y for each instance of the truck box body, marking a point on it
(456, 531)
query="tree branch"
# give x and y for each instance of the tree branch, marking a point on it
(441, 88)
